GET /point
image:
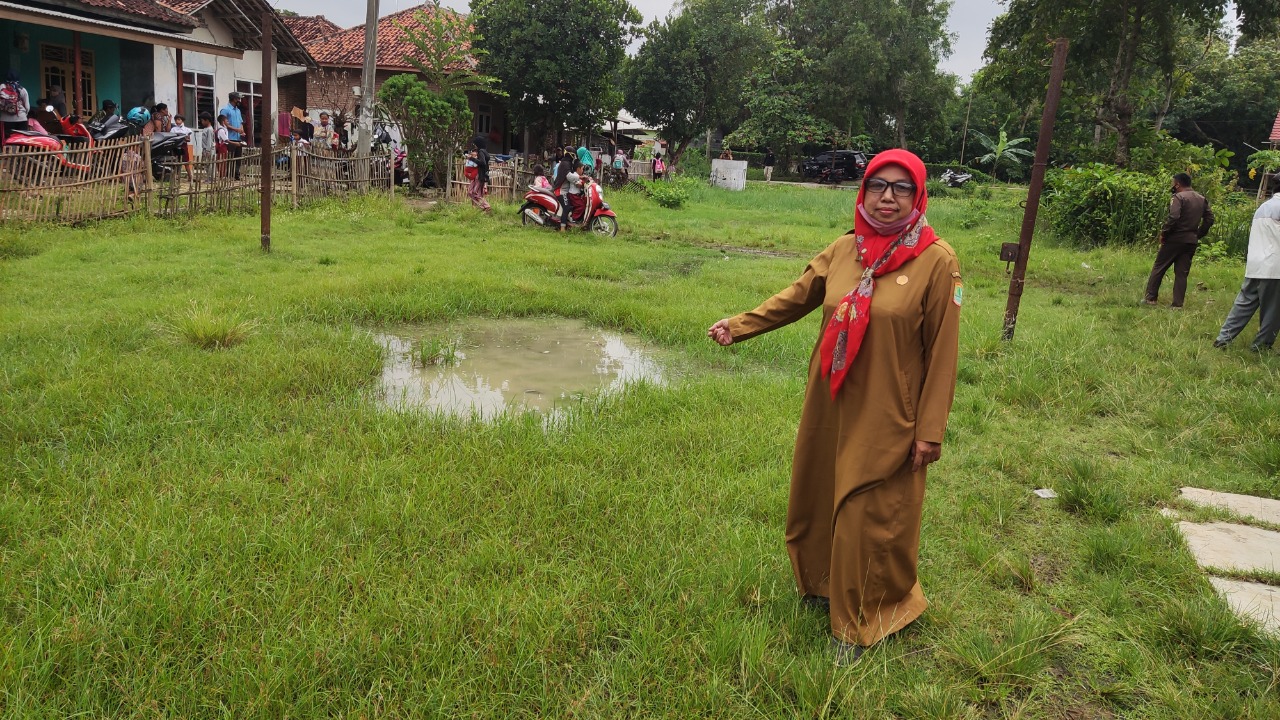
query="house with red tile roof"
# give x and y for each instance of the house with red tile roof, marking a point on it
(188, 54)
(339, 56)
(1275, 131)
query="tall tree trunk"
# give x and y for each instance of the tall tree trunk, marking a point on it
(1121, 105)
(900, 124)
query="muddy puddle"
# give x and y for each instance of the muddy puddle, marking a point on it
(484, 368)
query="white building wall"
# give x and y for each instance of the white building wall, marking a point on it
(226, 71)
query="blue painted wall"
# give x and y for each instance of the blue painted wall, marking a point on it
(106, 56)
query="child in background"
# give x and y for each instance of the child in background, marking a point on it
(180, 127)
(540, 181)
(205, 142)
(222, 144)
(131, 169)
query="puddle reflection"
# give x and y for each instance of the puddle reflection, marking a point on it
(498, 365)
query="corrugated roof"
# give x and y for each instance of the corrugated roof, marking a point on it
(347, 48)
(1275, 130)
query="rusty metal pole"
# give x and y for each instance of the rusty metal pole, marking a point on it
(264, 137)
(1037, 185)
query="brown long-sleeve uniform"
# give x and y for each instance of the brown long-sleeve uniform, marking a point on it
(853, 522)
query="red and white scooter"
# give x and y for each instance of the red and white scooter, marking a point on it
(36, 139)
(542, 207)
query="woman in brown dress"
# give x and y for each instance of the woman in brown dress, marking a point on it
(881, 381)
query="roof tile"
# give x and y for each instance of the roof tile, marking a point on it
(346, 48)
(142, 9)
(311, 29)
(1275, 130)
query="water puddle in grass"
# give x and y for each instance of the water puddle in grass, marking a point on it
(483, 368)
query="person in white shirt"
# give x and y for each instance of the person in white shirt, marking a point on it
(1260, 292)
(180, 128)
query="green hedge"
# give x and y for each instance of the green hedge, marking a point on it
(1094, 205)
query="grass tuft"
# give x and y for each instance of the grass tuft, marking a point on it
(1086, 492)
(1017, 657)
(207, 330)
(436, 352)
(1201, 628)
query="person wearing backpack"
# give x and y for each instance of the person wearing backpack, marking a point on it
(15, 103)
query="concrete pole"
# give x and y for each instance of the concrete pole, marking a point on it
(364, 143)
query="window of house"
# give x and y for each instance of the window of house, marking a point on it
(484, 119)
(251, 105)
(198, 97)
(57, 67)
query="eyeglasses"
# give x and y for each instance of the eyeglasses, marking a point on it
(902, 188)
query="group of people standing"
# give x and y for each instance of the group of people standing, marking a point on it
(1188, 221)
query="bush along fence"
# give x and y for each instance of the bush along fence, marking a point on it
(119, 178)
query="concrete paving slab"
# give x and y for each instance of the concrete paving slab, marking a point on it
(1258, 508)
(1260, 602)
(1233, 547)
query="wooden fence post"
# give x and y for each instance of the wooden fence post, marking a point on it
(148, 184)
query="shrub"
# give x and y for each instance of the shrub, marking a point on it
(1099, 204)
(1095, 205)
(673, 193)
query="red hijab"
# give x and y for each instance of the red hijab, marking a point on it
(881, 249)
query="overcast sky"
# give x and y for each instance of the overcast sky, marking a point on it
(970, 20)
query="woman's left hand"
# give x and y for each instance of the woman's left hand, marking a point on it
(924, 453)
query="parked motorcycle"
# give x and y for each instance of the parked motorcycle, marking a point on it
(166, 149)
(833, 175)
(35, 139)
(112, 127)
(542, 207)
(952, 178)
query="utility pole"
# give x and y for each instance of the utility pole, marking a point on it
(364, 142)
(964, 136)
(264, 138)
(1052, 97)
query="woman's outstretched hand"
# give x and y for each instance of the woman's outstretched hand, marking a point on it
(924, 453)
(720, 332)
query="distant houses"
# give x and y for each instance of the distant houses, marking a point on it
(339, 56)
(188, 54)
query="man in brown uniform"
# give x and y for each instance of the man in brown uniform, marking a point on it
(1189, 220)
(861, 455)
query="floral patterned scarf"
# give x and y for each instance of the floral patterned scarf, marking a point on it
(886, 249)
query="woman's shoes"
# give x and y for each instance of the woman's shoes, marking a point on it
(845, 654)
(816, 602)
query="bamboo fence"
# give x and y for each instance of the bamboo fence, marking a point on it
(117, 177)
(76, 183)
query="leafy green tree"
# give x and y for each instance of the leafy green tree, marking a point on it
(780, 106)
(448, 50)
(1001, 150)
(874, 62)
(1232, 97)
(427, 120)
(1113, 44)
(558, 60)
(446, 54)
(688, 75)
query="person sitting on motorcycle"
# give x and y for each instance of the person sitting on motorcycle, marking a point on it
(563, 171)
(577, 198)
(587, 160)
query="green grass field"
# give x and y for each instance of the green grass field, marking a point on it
(205, 514)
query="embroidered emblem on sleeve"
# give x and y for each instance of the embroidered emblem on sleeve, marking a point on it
(958, 297)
